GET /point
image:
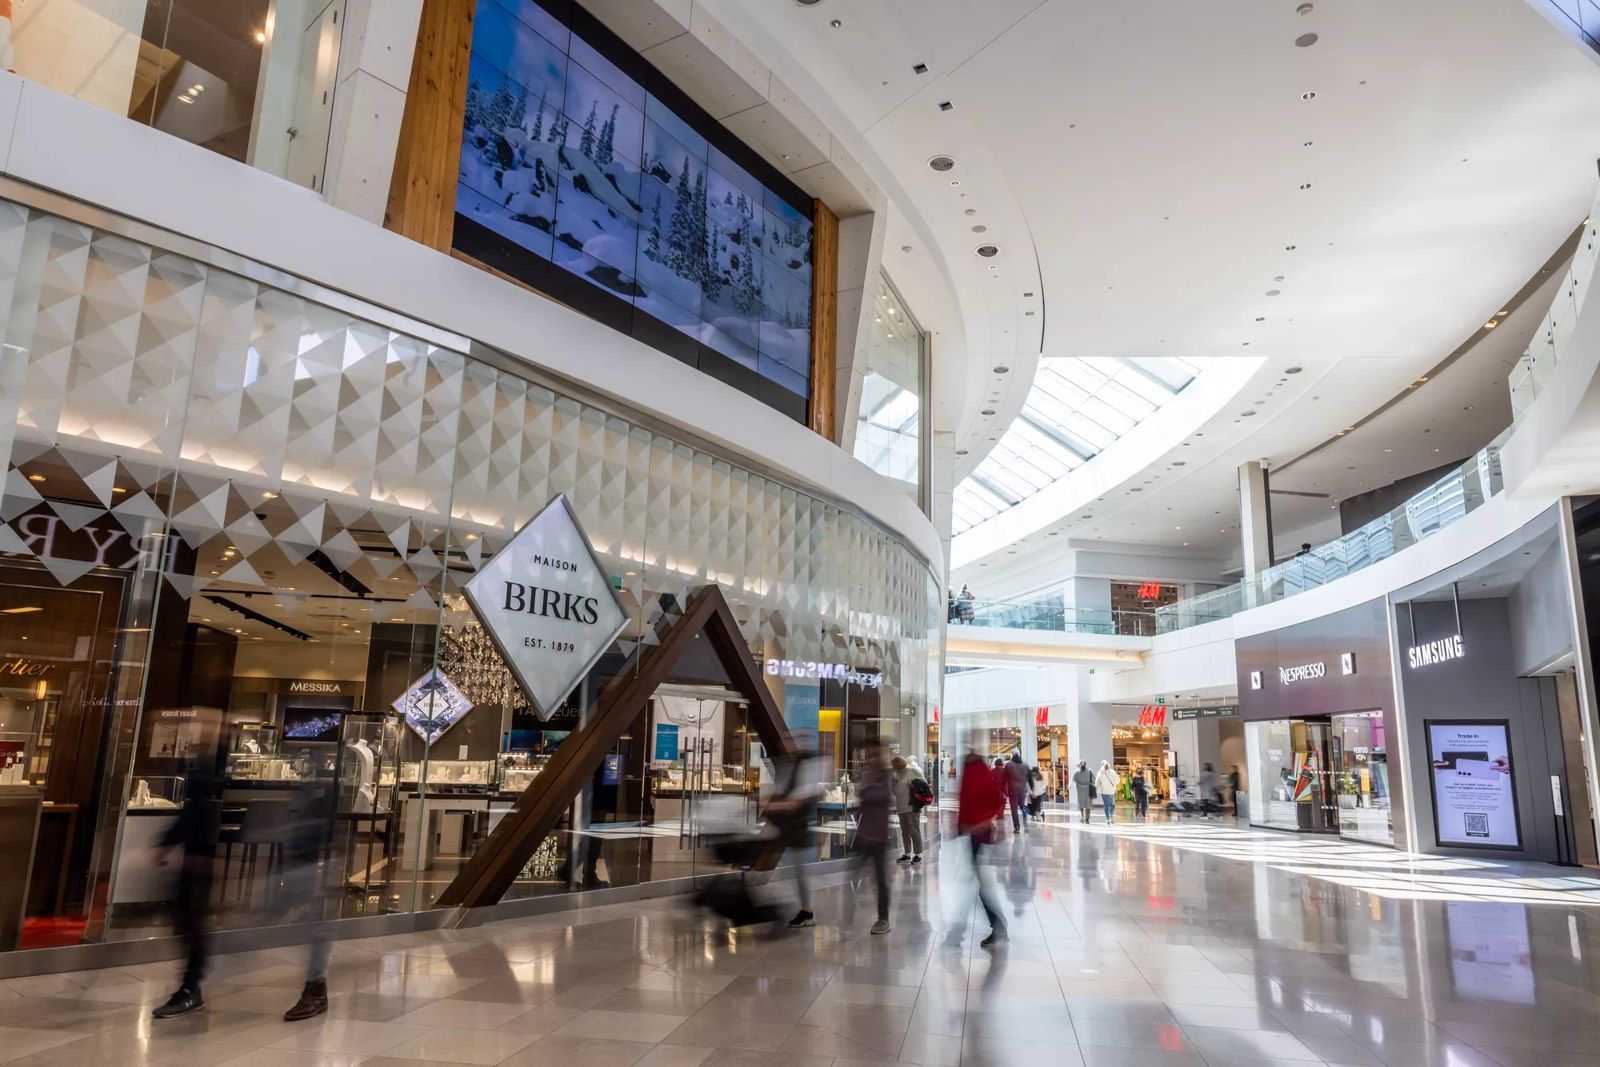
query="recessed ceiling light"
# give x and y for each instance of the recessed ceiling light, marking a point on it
(1273, 292)
(945, 105)
(987, 411)
(1287, 370)
(955, 182)
(988, 251)
(1246, 414)
(919, 68)
(1309, 94)
(1307, 144)
(1305, 185)
(1305, 40)
(1503, 313)
(1288, 248)
(35, 477)
(1261, 318)
(961, 451)
(261, 37)
(1491, 324)
(1002, 369)
(970, 211)
(980, 228)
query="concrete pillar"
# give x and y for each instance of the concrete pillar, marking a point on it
(1088, 727)
(375, 53)
(1255, 519)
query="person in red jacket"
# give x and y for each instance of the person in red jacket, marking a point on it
(981, 803)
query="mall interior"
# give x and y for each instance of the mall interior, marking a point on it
(468, 464)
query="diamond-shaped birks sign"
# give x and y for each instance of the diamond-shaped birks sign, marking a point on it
(432, 705)
(548, 605)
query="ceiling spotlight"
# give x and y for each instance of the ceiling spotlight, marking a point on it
(961, 451)
(1305, 185)
(970, 211)
(905, 248)
(1289, 370)
(1307, 144)
(1002, 369)
(1246, 414)
(1261, 318)
(988, 251)
(1274, 292)
(945, 105)
(1288, 248)
(942, 164)
(835, 23)
(1305, 40)
(1502, 313)
(919, 68)
(955, 182)
(1303, 9)
(1309, 94)
(980, 228)
(1491, 324)
(986, 412)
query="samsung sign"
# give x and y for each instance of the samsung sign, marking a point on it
(839, 672)
(1431, 652)
(548, 605)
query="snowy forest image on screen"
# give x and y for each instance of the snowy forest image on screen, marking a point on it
(573, 160)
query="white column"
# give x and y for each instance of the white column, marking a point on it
(860, 258)
(1088, 728)
(375, 53)
(1255, 519)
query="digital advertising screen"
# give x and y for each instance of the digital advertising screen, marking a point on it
(572, 159)
(1474, 791)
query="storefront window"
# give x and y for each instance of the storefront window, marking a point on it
(1361, 777)
(250, 79)
(234, 532)
(891, 435)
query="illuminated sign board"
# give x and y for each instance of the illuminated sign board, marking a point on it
(1430, 652)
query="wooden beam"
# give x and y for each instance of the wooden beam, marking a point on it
(824, 318)
(422, 192)
(493, 868)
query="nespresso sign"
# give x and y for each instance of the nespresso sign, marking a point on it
(1430, 652)
(548, 606)
(1302, 673)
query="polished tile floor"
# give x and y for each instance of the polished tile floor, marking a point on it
(1161, 943)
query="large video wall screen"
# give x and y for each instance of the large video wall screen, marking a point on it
(579, 177)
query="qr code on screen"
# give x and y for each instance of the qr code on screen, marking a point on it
(1477, 824)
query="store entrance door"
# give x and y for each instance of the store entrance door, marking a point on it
(1318, 808)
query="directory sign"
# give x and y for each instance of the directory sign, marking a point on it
(1474, 792)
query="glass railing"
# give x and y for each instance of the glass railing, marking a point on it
(1050, 614)
(247, 80)
(1442, 504)
(1533, 370)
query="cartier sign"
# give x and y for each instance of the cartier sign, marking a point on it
(24, 668)
(548, 606)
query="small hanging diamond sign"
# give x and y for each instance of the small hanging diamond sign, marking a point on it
(548, 606)
(432, 705)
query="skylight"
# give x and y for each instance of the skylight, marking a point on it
(1077, 406)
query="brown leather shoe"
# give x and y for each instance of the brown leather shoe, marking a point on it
(313, 1002)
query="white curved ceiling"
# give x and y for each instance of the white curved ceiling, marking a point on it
(1194, 179)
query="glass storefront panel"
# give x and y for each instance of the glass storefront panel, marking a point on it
(234, 532)
(891, 437)
(252, 80)
(1361, 777)
(1321, 776)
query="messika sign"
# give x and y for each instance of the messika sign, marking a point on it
(548, 606)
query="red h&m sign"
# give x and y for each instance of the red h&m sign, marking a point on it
(1150, 715)
(1149, 590)
(1041, 716)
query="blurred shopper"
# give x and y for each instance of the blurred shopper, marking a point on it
(1106, 782)
(1233, 789)
(1140, 788)
(1016, 783)
(1037, 788)
(966, 605)
(980, 807)
(1083, 788)
(875, 800)
(1208, 789)
(305, 842)
(191, 842)
(911, 794)
(791, 811)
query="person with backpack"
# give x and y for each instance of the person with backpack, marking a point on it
(911, 795)
(1015, 778)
